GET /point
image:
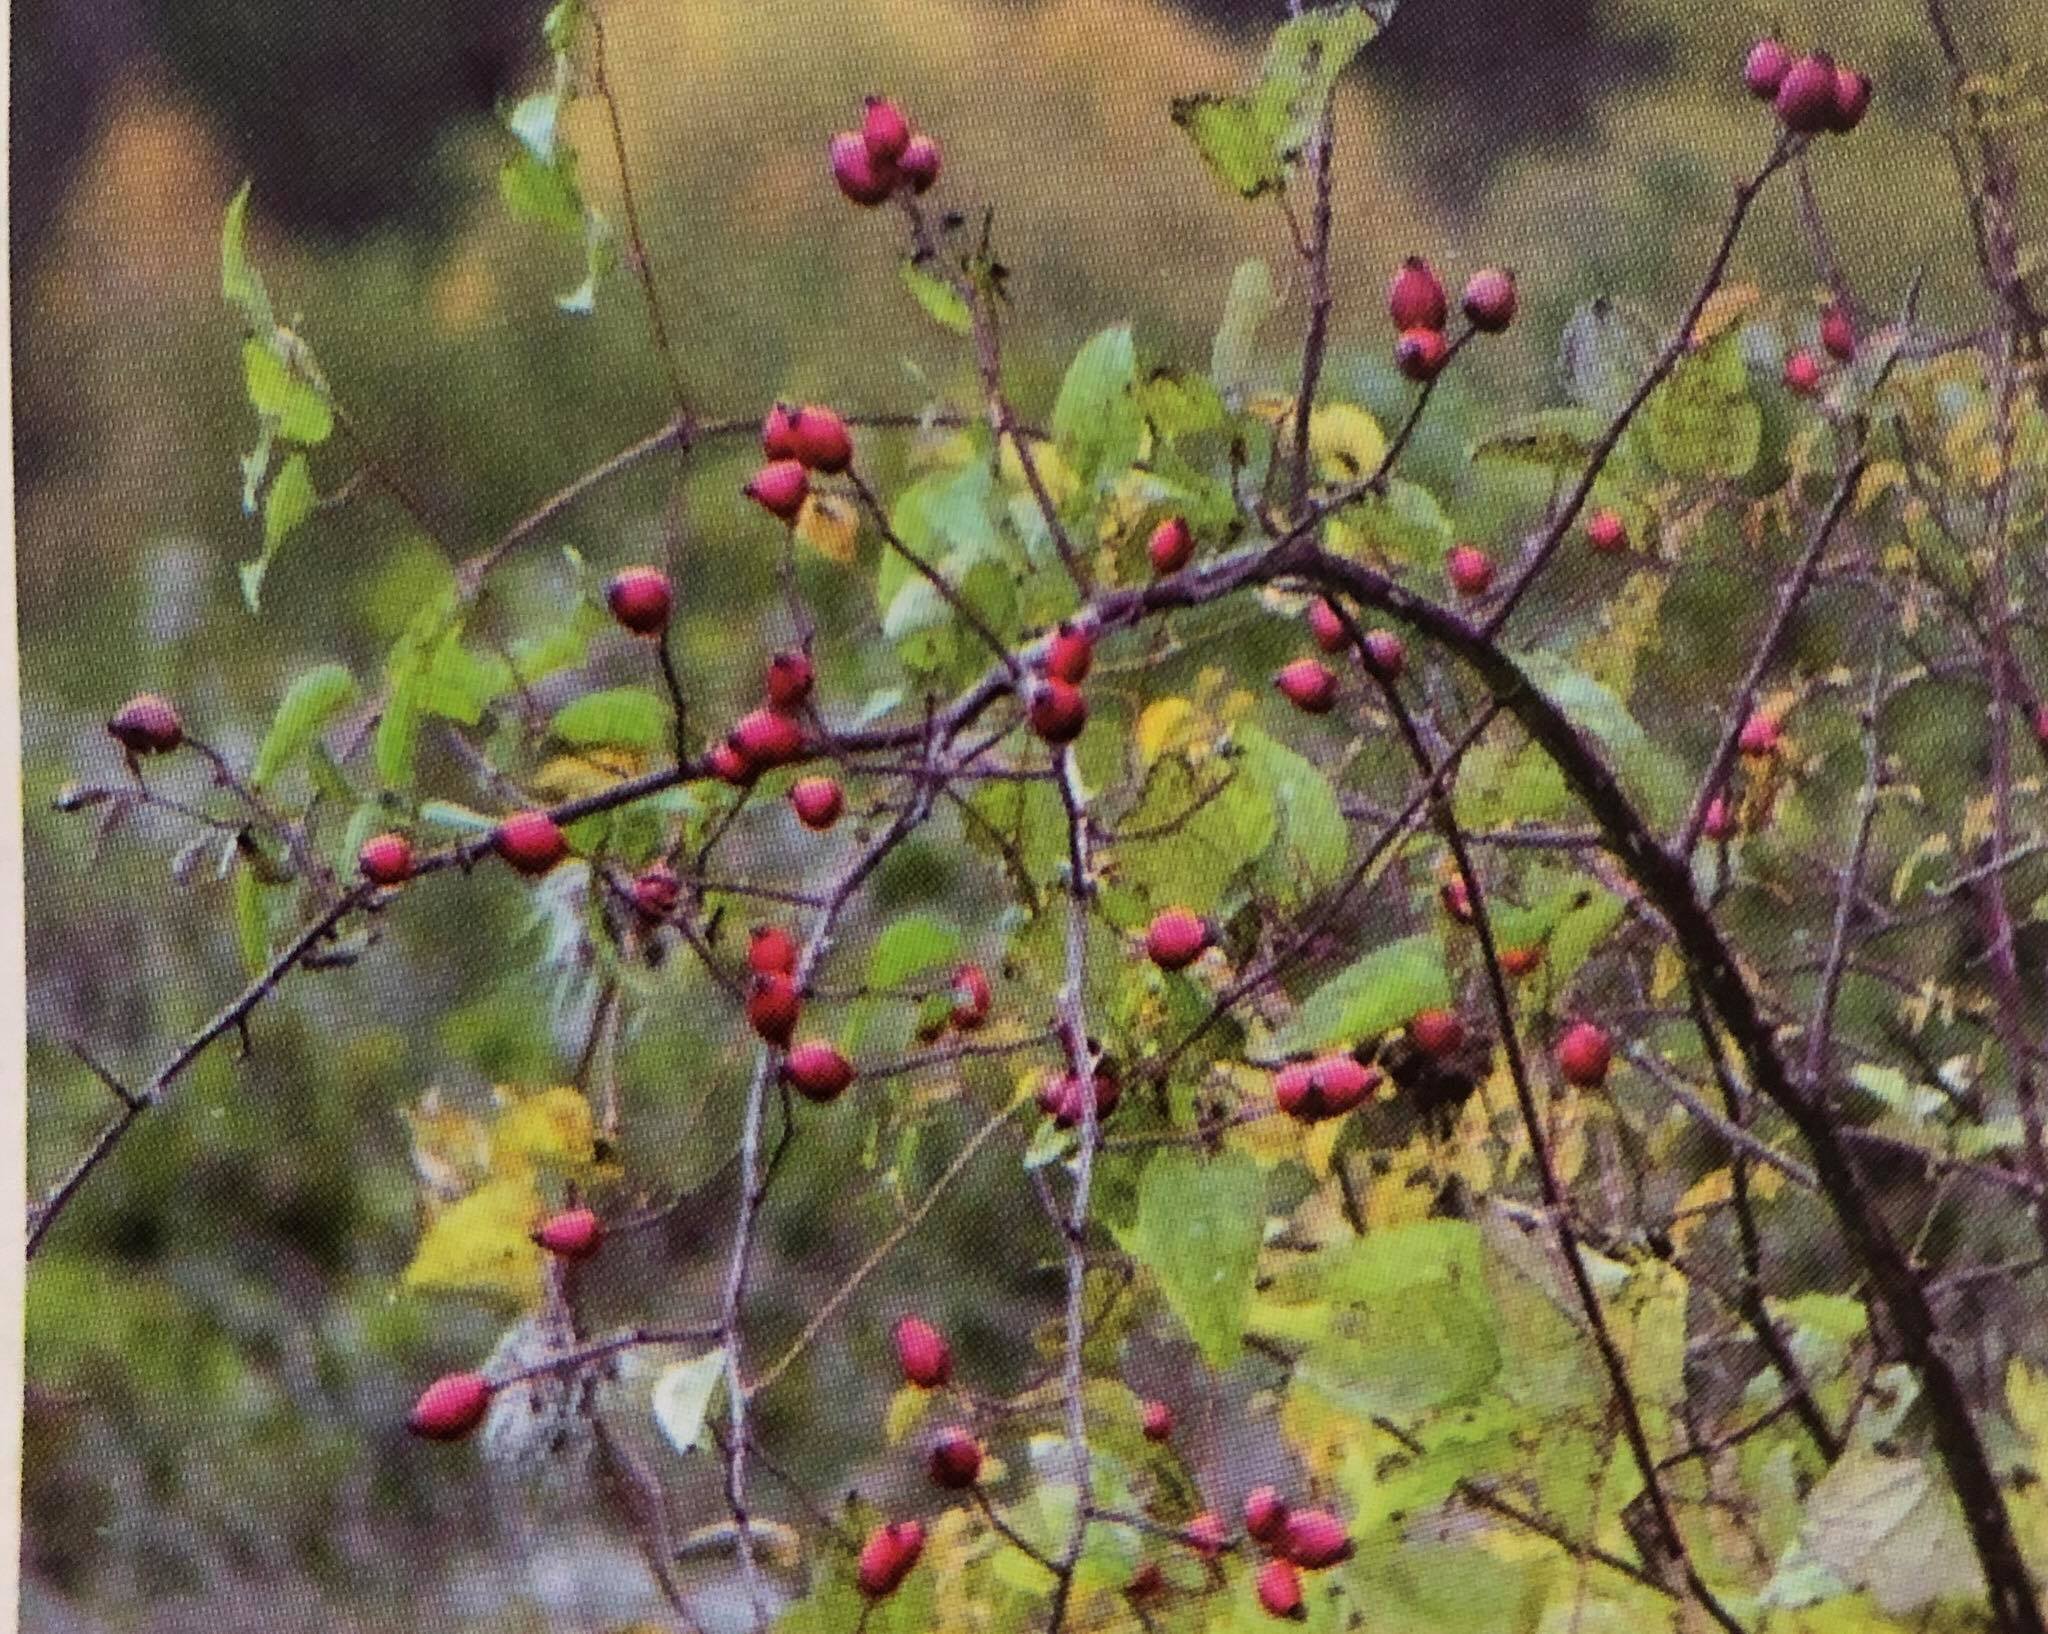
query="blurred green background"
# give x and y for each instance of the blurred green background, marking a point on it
(218, 1359)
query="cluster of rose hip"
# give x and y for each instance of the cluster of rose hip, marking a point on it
(1420, 310)
(872, 164)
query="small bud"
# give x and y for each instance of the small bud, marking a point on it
(1205, 1535)
(1720, 824)
(1760, 735)
(1156, 1420)
(1802, 374)
(1521, 961)
(972, 998)
(1837, 334)
(1607, 533)
(656, 890)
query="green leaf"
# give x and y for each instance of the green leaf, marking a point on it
(1380, 991)
(1655, 772)
(1177, 404)
(942, 303)
(1310, 839)
(436, 622)
(1246, 309)
(1198, 1230)
(910, 946)
(310, 702)
(1702, 421)
(1095, 420)
(252, 919)
(1550, 438)
(683, 1395)
(240, 283)
(621, 717)
(1405, 525)
(537, 191)
(297, 406)
(290, 501)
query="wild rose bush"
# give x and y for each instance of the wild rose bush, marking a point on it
(1594, 1137)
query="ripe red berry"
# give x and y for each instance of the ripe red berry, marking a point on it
(1058, 711)
(1760, 735)
(1326, 627)
(817, 1072)
(728, 765)
(1851, 100)
(885, 131)
(919, 164)
(773, 1004)
(1802, 374)
(971, 997)
(1310, 1091)
(923, 1354)
(450, 1407)
(778, 432)
(1583, 1054)
(790, 679)
(767, 738)
(1415, 299)
(1489, 300)
(780, 488)
(531, 842)
(386, 859)
(1385, 656)
(1721, 823)
(1436, 1032)
(1763, 70)
(1806, 95)
(1172, 545)
(147, 725)
(1420, 354)
(656, 890)
(1069, 655)
(1061, 1097)
(1837, 334)
(1521, 961)
(1156, 1420)
(860, 176)
(887, 1557)
(1206, 1535)
(1175, 939)
(1265, 1513)
(955, 1459)
(818, 439)
(1607, 533)
(1279, 1590)
(574, 1234)
(641, 599)
(1469, 569)
(771, 951)
(817, 802)
(1308, 686)
(1314, 1538)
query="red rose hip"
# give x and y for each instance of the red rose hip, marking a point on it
(1172, 546)
(919, 164)
(1805, 101)
(1265, 1513)
(1837, 334)
(450, 1407)
(1069, 655)
(1607, 533)
(817, 802)
(1175, 939)
(861, 177)
(817, 1072)
(656, 890)
(1415, 299)
(386, 859)
(1385, 655)
(887, 1558)
(766, 738)
(884, 130)
(1308, 686)
(1058, 711)
(1469, 569)
(1156, 1420)
(1279, 1590)
(1436, 1032)
(972, 998)
(146, 725)
(773, 1005)
(574, 1234)
(1420, 354)
(531, 842)
(1583, 1054)
(1326, 626)
(923, 1354)
(641, 599)
(1802, 374)
(1313, 1539)
(955, 1459)
(1763, 70)
(1489, 300)
(771, 951)
(780, 488)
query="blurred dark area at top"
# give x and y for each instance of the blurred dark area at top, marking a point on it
(341, 101)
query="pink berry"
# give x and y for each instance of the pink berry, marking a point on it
(1837, 334)
(531, 842)
(1720, 823)
(1489, 300)
(1311, 1091)
(1172, 546)
(1763, 70)
(1308, 686)
(771, 951)
(1420, 354)
(386, 859)
(1607, 533)
(1314, 1538)
(1583, 1054)
(919, 164)
(1760, 735)
(767, 738)
(817, 802)
(1206, 1535)
(780, 488)
(656, 890)
(1436, 1032)
(1802, 374)
(923, 1354)
(1069, 655)
(818, 1072)
(146, 725)
(1385, 656)
(778, 432)
(1279, 1590)
(1806, 95)
(1058, 711)
(1326, 627)
(884, 130)
(1265, 1513)
(728, 765)
(450, 1407)
(1851, 100)
(1062, 1097)
(641, 600)
(574, 1234)
(773, 1005)
(1415, 299)
(887, 1557)
(1156, 1420)
(861, 177)
(1176, 939)
(819, 441)
(972, 998)
(955, 1459)
(790, 679)
(1469, 569)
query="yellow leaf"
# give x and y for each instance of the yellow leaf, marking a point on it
(480, 1244)
(588, 771)
(451, 1148)
(907, 1409)
(1164, 725)
(1700, 1199)
(2026, 1394)
(1347, 442)
(1053, 471)
(829, 524)
(1724, 308)
(1667, 970)
(549, 1128)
